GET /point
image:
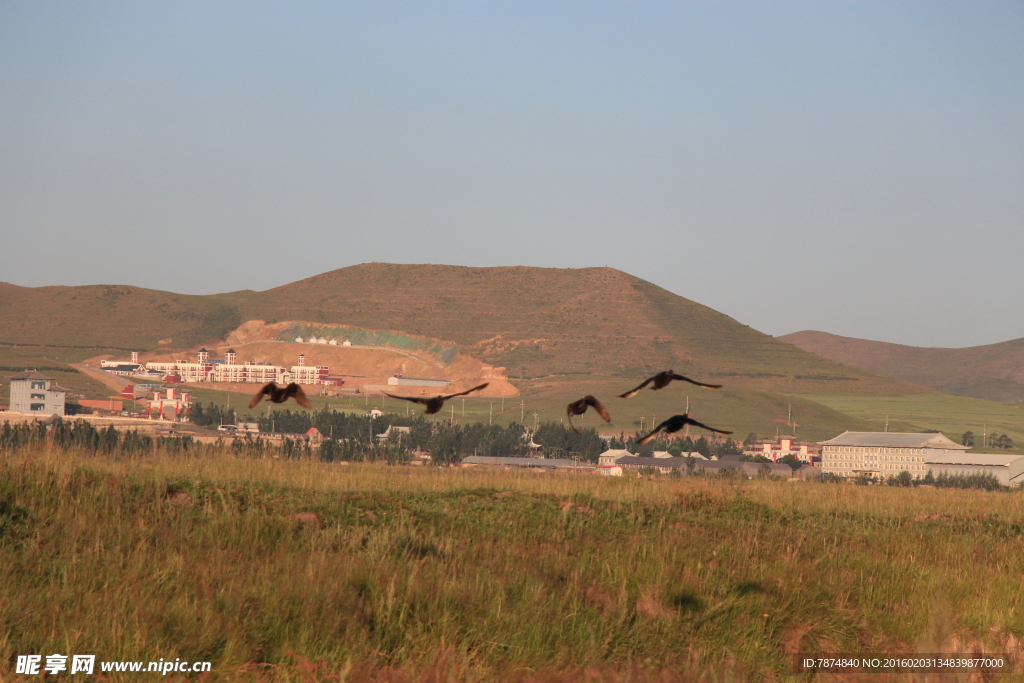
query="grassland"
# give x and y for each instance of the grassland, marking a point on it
(301, 570)
(53, 362)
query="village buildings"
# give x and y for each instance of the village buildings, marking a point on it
(34, 393)
(784, 445)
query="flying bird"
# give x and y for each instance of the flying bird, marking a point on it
(662, 379)
(579, 407)
(281, 394)
(435, 404)
(674, 424)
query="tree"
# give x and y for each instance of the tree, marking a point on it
(794, 462)
(967, 439)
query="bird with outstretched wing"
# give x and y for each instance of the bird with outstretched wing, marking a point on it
(674, 424)
(281, 394)
(579, 407)
(436, 403)
(662, 380)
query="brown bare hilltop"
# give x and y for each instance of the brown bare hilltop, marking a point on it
(994, 372)
(553, 334)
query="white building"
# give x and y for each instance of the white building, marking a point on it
(885, 454)
(400, 381)
(35, 394)
(612, 456)
(233, 371)
(188, 372)
(250, 371)
(1007, 468)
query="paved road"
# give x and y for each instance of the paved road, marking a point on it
(111, 381)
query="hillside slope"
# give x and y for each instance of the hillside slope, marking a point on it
(543, 322)
(994, 372)
(553, 334)
(112, 316)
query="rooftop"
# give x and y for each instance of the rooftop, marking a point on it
(523, 462)
(31, 374)
(989, 459)
(894, 440)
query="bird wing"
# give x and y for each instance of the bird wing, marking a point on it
(414, 399)
(569, 413)
(634, 392)
(301, 398)
(644, 439)
(601, 410)
(265, 389)
(710, 429)
(693, 381)
(463, 393)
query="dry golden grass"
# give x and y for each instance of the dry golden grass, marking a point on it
(280, 570)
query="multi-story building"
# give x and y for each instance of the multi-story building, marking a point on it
(186, 371)
(232, 370)
(784, 445)
(34, 393)
(885, 454)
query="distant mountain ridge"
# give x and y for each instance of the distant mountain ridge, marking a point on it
(994, 372)
(536, 322)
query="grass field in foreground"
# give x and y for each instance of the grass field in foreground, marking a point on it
(952, 415)
(428, 574)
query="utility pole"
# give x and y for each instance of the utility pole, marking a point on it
(886, 424)
(463, 407)
(490, 413)
(687, 432)
(522, 411)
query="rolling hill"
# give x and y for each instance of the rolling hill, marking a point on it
(554, 334)
(994, 372)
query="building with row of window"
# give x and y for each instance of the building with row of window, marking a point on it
(880, 455)
(784, 445)
(35, 394)
(233, 371)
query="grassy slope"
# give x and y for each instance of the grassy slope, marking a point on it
(496, 576)
(559, 332)
(994, 372)
(110, 316)
(543, 322)
(53, 363)
(952, 415)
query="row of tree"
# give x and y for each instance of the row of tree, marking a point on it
(994, 441)
(79, 435)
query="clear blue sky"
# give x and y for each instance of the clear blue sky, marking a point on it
(850, 167)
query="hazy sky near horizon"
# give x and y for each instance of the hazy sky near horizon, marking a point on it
(852, 167)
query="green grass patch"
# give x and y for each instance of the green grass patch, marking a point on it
(273, 569)
(952, 415)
